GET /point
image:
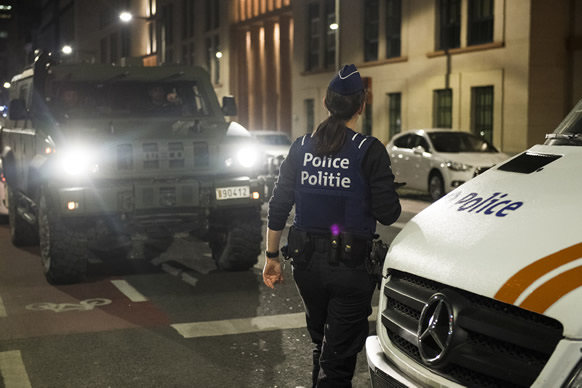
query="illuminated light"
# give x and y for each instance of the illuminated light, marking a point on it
(125, 17)
(256, 195)
(48, 150)
(333, 26)
(218, 54)
(335, 230)
(67, 49)
(72, 205)
(7, 85)
(247, 157)
(228, 162)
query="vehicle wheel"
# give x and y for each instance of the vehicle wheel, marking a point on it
(436, 186)
(63, 251)
(237, 246)
(22, 233)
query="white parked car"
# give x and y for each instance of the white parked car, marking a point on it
(3, 203)
(436, 161)
(483, 288)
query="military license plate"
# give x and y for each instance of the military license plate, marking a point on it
(233, 192)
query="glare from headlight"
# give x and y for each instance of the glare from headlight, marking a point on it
(456, 166)
(247, 157)
(77, 161)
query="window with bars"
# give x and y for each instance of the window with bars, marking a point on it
(443, 108)
(482, 112)
(394, 114)
(313, 36)
(371, 30)
(449, 13)
(330, 35)
(480, 26)
(393, 28)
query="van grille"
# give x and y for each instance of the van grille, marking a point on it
(494, 344)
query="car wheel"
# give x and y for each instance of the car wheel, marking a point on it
(436, 186)
(63, 251)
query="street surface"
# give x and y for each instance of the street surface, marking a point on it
(171, 321)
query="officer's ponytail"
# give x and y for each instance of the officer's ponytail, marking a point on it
(330, 134)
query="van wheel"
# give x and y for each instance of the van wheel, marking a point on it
(22, 233)
(436, 186)
(237, 246)
(63, 251)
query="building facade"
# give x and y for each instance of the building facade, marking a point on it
(507, 70)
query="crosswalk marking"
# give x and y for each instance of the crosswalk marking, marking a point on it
(13, 371)
(129, 291)
(246, 325)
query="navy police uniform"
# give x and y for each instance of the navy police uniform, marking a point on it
(337, 198)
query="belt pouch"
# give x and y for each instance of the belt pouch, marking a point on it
(300, 247)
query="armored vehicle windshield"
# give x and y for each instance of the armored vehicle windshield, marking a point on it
(126, 99)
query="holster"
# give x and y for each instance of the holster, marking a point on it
(299, 248)
(354, 250)
(375, 261)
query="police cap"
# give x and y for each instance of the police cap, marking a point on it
(347, 81)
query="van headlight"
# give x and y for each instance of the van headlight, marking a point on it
(77, 161)
(456, 166)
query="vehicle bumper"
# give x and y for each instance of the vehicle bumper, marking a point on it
(384, 372)
(151, 197)
(454, 179)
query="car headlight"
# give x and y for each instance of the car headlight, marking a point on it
(77, 161)
(247, 156)
(456, 166)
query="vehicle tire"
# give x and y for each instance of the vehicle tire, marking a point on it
(63, 250)
(436, 186)
(22, 233)
(236, 247)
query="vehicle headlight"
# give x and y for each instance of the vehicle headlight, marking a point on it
(456, 166)
(78, 161)
(247, 156)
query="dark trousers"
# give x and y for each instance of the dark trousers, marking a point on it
(337, 302)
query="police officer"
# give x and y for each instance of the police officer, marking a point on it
(341, 183)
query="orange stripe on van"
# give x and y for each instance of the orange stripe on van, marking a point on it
(517, 284)
(548, 293)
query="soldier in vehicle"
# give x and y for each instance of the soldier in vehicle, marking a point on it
(160, 101)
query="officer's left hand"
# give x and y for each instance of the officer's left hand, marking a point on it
(272, 273)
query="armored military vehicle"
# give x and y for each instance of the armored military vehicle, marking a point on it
(95, 155)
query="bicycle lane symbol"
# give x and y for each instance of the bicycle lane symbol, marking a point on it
(84, 305)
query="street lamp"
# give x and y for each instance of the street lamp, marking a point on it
(127, 17)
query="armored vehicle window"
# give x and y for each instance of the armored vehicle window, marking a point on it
(126, 99)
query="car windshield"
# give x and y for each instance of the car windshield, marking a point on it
(119, 99)
(459, 142)
(274, 140)
(569, 132)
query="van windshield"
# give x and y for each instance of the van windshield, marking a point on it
(121, 99)
(569, 132)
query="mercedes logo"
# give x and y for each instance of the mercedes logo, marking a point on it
(435, 329)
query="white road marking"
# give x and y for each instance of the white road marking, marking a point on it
(2, 309)
(129, 291)
(191, 280)
(171, 270)
(13, 371)
(246, 325)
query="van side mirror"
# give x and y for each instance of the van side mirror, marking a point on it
(17, 109)
(229, 106)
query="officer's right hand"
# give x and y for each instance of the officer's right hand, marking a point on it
(272, 273)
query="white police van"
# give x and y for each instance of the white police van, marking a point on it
(484, 287)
